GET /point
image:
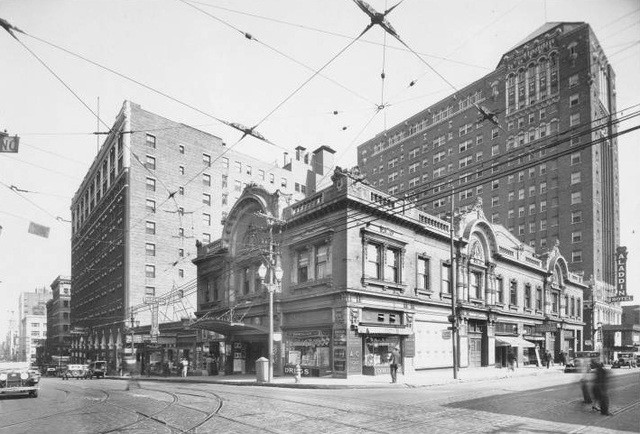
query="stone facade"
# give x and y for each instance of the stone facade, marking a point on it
(364, 272)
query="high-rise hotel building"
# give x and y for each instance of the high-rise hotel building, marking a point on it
(156, 188)
(547, 171)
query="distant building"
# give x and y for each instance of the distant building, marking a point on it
(156, 188)
(600, 314)
(59, 320)
(364, 273)
(32, 322)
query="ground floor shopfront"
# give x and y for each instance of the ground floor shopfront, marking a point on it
(357, 339)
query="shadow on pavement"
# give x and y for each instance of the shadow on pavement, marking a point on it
(561, 404)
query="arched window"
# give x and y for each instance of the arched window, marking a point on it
(532, 81)
(543, 77)
(553, 81)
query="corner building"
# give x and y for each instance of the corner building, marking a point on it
(59, 321)
(157, 188)
(548, 171)
(363, 274)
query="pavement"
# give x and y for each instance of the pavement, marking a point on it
(423, 378)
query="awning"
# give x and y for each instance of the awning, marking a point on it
(513, 341)
(226, 327)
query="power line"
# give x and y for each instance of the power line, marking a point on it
(340, 35)
(480, 181)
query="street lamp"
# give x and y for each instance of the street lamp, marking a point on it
(272, 286)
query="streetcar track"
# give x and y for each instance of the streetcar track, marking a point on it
(174, 403)
(58, 413)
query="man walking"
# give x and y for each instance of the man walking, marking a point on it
(394, 360)
(601, 389)
(185, 367)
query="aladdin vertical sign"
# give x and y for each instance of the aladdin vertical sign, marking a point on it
(621, 276)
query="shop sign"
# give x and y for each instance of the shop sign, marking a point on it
(621, 271)
(340, 337)
(446, 334)
(547, 327)
(308, 338)
(378, 330)
(410, 346)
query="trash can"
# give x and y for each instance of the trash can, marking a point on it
(262, 370)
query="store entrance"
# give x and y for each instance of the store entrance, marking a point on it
(475, 351)
(376, 353)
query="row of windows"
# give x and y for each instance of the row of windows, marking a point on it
(111, 166)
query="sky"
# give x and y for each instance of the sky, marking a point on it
(197, 53)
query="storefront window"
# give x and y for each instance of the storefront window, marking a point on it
(309, 348)
(378, 348)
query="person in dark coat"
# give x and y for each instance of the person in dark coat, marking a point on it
(585, 381)
(601, 389)
(394, 361)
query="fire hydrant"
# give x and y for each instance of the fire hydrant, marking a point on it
(298, 373)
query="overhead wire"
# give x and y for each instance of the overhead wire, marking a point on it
(340, 35)
(515, 150)
(518, 153)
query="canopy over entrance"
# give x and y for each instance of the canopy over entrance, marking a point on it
(225, 327)
(513, 341)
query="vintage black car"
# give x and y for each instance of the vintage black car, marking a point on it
(625, 360)
(76, 371)
(18, 378)
(584, 361)
(98, 368)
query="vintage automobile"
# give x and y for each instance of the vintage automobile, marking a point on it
(625, 360)
(77, 372)
(584, 361)
(18, 378)
(98, 368)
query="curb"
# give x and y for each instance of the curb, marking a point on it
(408, 384)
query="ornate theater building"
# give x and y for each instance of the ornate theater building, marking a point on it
(362, 272)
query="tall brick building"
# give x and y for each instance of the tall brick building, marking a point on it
(59, 320)
(548, 171)
(156, 188)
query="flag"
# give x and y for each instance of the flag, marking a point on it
(39, 230)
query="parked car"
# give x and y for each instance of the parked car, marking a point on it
(584, 361)
(98, 369)
(625, 360)
(18, 378)
(77, 372)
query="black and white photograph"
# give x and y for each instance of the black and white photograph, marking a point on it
(310, 216)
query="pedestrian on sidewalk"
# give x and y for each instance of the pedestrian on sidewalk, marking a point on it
(601, 389)
(547, 358)
(394, 360)
(185, 367)
(511, 358)
(585, 380)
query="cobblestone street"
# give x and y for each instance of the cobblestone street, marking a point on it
(550, 404)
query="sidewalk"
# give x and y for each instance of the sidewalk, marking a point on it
(424, 378)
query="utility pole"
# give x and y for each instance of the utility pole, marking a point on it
(275, 277)
(452, 282)
(133, 348)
